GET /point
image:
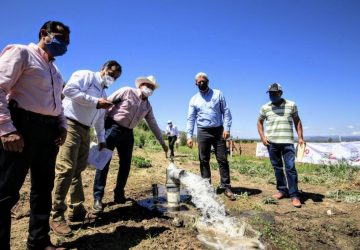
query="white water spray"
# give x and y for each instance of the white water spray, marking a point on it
(216, 229)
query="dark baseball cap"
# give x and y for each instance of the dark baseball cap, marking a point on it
(274, 87)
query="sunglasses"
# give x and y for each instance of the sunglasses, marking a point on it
(201, 82)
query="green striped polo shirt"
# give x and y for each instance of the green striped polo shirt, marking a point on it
(279, 121)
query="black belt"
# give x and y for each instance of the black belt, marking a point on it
(109, 121)
(36, 117)
(78, 123)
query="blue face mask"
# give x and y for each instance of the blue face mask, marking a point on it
(56, 47)
(275, 99)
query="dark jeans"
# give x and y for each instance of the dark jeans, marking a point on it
(39, 156)
(172, 140)
(123, 140)
(279, 152)
(208, 137)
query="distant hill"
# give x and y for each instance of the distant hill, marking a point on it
(330, 138)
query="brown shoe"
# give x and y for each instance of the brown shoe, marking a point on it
(279, 196)
(60, 228)
(296, 202)
(229, 194)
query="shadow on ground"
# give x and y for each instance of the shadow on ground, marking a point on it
(122, 237)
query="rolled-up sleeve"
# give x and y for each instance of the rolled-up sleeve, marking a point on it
(151, 121)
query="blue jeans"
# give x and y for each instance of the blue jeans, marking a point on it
(123, 140)
(279, 153)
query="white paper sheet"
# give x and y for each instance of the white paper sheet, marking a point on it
(97, 158)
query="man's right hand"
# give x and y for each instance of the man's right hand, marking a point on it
(104, 104)
(265, 142)
(189, 143)
(13, 142)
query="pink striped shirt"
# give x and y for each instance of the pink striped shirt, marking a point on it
(28, 77)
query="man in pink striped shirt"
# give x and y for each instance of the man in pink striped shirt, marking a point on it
(32, 127)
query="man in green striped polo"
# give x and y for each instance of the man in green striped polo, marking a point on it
(280, 116)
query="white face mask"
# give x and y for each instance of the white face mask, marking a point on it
(146, 91)
(108, 80)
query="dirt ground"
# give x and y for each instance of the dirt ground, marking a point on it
(321, 223)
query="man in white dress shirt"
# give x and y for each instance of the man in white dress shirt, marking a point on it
(84, 106)
(172, 133)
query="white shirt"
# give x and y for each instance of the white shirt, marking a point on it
(172, 131)
(82, 93)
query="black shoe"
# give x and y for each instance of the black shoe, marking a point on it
(120, 200)
(98, 206)
(77, 217)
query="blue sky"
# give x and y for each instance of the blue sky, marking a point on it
(312, 48)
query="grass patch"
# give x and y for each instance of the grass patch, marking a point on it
(280, 240)
(307, 173)
(347, 196)
(251, 166)
(326, 174)
(141, 162)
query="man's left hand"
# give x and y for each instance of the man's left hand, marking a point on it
(61, 137)
(301, 141)
(226, 134)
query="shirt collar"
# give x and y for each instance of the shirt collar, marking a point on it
(99, 78)
(40, 51)
(139, 94)
(205, 94)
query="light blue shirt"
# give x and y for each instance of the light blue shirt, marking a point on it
(208, 110)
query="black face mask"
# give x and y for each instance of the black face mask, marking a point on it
(202, 85)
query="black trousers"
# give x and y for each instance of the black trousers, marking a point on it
(123, 140)
(172, 140)
(39, 156)
(208, 137)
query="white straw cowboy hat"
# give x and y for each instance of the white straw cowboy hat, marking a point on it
(148, 79)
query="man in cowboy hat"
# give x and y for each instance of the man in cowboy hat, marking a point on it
(172, 133)
(280, 115)
(131, 105)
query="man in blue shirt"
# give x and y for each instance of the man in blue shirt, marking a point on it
(209, 110)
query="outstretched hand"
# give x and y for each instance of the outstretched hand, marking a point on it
(104, 104)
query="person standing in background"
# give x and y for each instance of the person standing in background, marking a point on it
(172, 133)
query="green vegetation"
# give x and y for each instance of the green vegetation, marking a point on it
(141, 162)
(347, 196)
(308, 173)
(279, 239)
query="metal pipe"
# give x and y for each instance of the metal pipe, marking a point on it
(173, 175)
